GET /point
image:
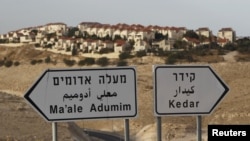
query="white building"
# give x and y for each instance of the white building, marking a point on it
(227, 33)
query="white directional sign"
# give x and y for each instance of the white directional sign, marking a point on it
(73, 94)
(183, 90)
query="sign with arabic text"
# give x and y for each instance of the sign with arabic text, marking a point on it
(183, 90)
(74, 94)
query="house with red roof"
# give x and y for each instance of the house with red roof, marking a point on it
(227, 33)
(54, 27)
(192, 41)
(104, 30)
(119, 46)
(204, 31)
(122, 32)
(84, 25)
(222, 41)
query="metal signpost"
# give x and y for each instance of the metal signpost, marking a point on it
(75, 94)
(186, 90)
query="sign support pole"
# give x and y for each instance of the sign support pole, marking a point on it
(54, 131)
(126, 123)
(158, 128)
(199, 131)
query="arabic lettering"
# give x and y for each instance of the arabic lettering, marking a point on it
(79, 96)
(106, 94)
(185, 91)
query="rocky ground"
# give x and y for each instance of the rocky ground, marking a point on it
(19, 122)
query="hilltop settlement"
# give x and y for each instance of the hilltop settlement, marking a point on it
(94, 37)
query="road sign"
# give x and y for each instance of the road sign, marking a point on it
(74, 94)
(186, 90)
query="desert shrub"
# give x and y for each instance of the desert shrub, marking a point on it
(68, 49)
(1, 63)
(105, 50)
(47, 59)
(89, 61)
(122, 63)
(160, 52)
(230, 47)
(16, 63)
(190, 58)
(221, 52)
(103, 61)
(141, 53)
(69, 62)
(74, 51)
(37, 45)
(33, 62)
(8, 63)
(244, 49)
(81, 63)
(199, 51)
(187, 56)
(171, 59)
(124, 55)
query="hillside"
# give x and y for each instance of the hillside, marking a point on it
(19, 121)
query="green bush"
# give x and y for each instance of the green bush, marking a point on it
(199, 51)
(89, 61)
(244, 49)
(221, 52)
(69, 62)
(1, 63)
(124, 55)
(47, 60)
(81, 63)
(171, 59)
(16, 63)
(8, 63)
(105, 50)
(37, 45)
(141, 53)
(74, 51)
(103, 61)
(122, 63)
(33, 62)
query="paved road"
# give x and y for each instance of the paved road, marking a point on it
(106, 136)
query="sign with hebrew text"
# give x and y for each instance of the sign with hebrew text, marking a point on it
(74, 94)
(183, 90)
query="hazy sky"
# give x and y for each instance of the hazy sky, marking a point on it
(192, 14)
